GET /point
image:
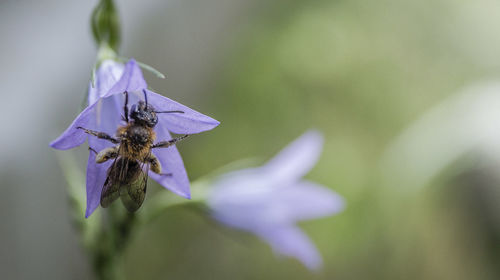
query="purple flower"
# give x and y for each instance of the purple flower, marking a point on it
(104, 113)
(269, 200)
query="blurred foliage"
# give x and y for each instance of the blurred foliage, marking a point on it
(359, 71)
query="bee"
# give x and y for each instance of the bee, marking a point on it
(132, 155)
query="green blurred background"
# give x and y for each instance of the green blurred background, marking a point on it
(359, 71)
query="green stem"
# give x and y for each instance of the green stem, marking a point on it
(109, 248)
(107, 256)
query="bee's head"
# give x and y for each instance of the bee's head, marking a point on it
(143, 113)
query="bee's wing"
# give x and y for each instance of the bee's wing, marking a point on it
(133, 193)
(110, 192)
(111, 188)
(117, 174)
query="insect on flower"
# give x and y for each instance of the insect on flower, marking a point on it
(128, 175)
(106, 113)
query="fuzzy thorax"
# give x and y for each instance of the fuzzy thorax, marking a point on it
(136, 141)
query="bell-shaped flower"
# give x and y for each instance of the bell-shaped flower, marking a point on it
(104, 113)
(269, 200)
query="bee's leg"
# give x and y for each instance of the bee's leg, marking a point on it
(125, 107)
(106, 154)
(92, 150)
(100, 135)
(166, 144)
(154, 163)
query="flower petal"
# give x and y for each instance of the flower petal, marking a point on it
(73, 137)
(107, 75)
(295, 160)
(189, 122)
(291, 241)
(131, 80)
(103, 116)
(171, 162)
(241, 187)
(107, 120)
(306, 200)
(246, 202)
(96, 175)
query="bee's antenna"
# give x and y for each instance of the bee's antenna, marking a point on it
(145, 97)
(161, 112)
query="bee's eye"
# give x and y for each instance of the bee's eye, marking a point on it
(153, 120)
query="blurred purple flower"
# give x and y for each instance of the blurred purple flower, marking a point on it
(104, 113)
(269, 200)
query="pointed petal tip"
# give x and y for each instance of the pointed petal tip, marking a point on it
(132, 61)
(334, 202)
(313, 137)
(61, 144)
(315, 267)
(55, 145)
(203, 125)
(338, 204)
(183, 191)
(88, 212)
(131, 80)
(211, 124)
(186, 195)
(291, 241)
(297, 158)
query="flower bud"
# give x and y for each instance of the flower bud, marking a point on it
(106, 25)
